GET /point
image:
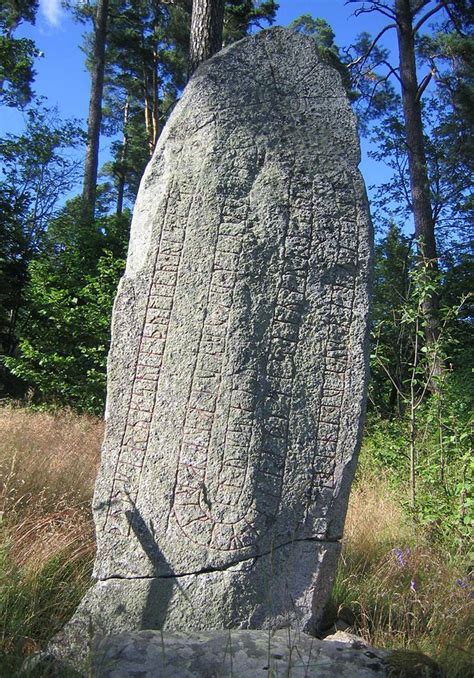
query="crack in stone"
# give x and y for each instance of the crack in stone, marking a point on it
(223, 568)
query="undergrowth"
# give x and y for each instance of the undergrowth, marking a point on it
(396, 586)
(399, 588)
(47, 468)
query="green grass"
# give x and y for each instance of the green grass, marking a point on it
(35, 604)
(399, 589)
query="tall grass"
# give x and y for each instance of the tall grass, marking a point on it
(47, 468)
(395, 587)
(399, 589)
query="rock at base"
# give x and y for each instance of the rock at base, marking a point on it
(245, 654)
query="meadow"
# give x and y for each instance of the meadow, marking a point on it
(397, 586)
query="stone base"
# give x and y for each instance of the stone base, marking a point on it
(287, 588)
(246, 654)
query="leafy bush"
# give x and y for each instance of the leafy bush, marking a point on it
(444, 462)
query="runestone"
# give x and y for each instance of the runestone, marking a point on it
(238, 366)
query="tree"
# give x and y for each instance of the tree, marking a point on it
(146, 67)
(16, 55)
(65, 333)
(89, 191)
(36, 172)
(207, 24)
(146, 70)
(218, 22)
(240, 16)
(408, 17)
(417, 166)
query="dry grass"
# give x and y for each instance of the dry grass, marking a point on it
(400, 590)
(395, 587)
(48, 463)
(45, 458)
(374, 519)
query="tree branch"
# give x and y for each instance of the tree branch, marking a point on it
(428, 15)
(391, 69)
(365, 56)
(376, 6)
(379, 82)
(456, 24)
(421, 5)
(424, 84)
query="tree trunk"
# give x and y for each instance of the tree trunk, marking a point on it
(147, 109)
(123, 157)
(207, 22)
(419, 183)
(94, 120)
(155, 100)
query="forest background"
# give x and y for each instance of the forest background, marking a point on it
(63, 240)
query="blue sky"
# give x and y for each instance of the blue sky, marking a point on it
(64, 80)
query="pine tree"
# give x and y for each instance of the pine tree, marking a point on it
(89, 191)
(207, 25)
(373, 70)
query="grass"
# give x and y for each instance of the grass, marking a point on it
(47, 468)
(395, 587)
(399, 589)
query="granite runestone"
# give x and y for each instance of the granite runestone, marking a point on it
(238, 366)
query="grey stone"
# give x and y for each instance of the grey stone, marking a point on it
(242, 654)
(238, 366)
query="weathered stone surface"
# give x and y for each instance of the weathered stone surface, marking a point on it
(238, 363)
(245, 654)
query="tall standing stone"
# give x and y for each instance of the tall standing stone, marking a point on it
(238, 365)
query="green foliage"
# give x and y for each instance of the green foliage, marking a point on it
(13, 12)
(35, 604)
(16, 55)
(445, 72)
(458, 278)
(319, 29)
(421, 423)
(35, 170)
(444, 462)
(241, 16)
(393, 262)
(129, 154)
(16, 70)
(146, 68)
(64, 337)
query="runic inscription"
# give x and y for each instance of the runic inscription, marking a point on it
(232, 519)
(145, 384)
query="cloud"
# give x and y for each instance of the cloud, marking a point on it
(52, 11)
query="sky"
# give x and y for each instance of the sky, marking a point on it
(61, 75)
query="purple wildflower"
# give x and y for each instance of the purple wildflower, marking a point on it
(413, 585)
(465, 584)
(402, 556)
